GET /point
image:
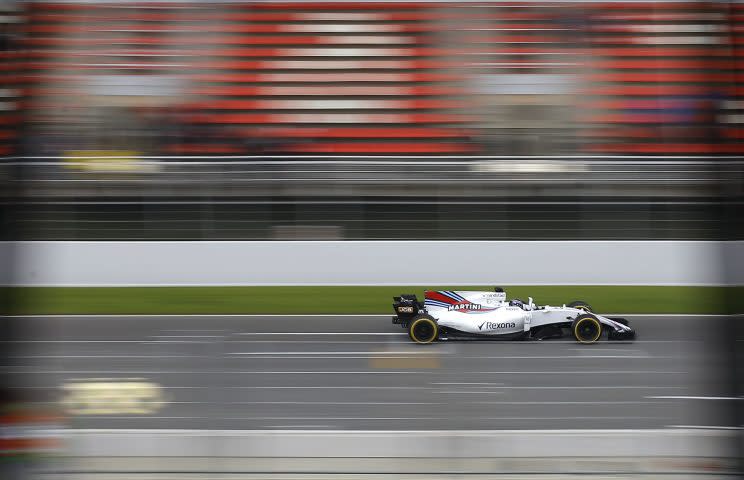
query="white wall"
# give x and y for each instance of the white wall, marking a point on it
(495, 445)
(371, 262)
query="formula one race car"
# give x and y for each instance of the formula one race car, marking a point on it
(450, 315)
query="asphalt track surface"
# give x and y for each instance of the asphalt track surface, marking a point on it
(363, 373)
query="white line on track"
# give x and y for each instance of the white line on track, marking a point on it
(536, 418)
(319, 357)
(466, 383)
(392, 352)
(160, 417)
(108, 356)
(621, 350)
(330, 356)
(339, 403)
(298, 426)
(325, 342)
(194, 330)
(205, 315)
(117, 417)
(328, 387)
(463, 392)
(330, 418)
(394, 334)
(588, 387)
(308, 372)
(312, 372)
(180, 342)
(79, 341)
(340, 372)
(620, 342)
(583, 372)
(351, 354)
(508, 343)
(532, 418)
(503, 344)
(683, 432)
(556, 357)
(187, 336)
(685, 397)
(703, 427)
(677, 431)
(30, 369)
(414, 372)
(495, 402)
(299, 315)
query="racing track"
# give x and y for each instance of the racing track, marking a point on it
(361, 372)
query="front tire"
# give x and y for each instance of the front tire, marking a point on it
(423, 330)
(586, 329)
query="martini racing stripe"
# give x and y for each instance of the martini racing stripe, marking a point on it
(441, 297)
(453, 295)
(435, 303)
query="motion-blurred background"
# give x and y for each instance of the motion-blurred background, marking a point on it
(330, 122)
(400, 95)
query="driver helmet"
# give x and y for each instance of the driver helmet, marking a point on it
(516, 303)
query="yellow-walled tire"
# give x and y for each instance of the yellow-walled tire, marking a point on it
(586, 329)
(423, 330)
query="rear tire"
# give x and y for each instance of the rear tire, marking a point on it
(423, 330)
(586, 328)
(581, 305)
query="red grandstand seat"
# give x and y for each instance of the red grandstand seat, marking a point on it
(661, 72)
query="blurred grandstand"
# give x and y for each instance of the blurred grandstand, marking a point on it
(368, 78)
(257, 120)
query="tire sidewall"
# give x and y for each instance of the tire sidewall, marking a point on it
(419, 320)
(586, 318)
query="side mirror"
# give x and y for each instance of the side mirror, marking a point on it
(532, 304)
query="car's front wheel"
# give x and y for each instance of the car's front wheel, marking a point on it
(423, 330)
(586, 329)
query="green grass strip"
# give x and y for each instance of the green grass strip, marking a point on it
(371, 299)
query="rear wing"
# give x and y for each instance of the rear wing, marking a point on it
(406, 307)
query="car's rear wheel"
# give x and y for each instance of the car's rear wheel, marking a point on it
(423, 330)
(581, 305)
(586, 329)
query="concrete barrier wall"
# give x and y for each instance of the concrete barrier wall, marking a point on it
(559, 454)
(400, 444)
(371, 263)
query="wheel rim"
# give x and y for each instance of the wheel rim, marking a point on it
(588, 330)
(424, 331)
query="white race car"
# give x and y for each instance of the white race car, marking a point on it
(450, 315)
